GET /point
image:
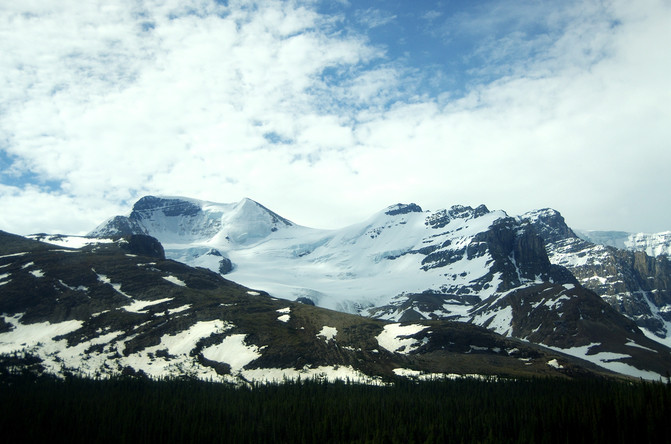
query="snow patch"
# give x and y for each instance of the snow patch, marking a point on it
(416, 374)
(650, 335)
(394, 337)
(140, 306)
(554, 363)
(70, 241)
(117, 287)
(184, 341)
(328, 333)
(179, 309)
(174, 280)
(77, 288)
(555, 303)
(14, 255)
(284, 318)
(499, 321)
(25, 336)
(631, 343)
(233, 351)
(407, 373)
(322, 373)
(608, 360)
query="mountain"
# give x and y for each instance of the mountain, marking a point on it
(655, 244)
(405, 264)
(120, 307)
(397, 251)
(632, 282)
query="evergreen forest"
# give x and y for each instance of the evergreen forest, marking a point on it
(138, 409)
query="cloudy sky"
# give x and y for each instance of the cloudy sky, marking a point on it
(328, 111)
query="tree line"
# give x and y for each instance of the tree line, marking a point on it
(133, 409)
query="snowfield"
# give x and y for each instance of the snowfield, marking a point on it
(351, 269)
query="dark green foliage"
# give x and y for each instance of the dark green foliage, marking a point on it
(131, 409)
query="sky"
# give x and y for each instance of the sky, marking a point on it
(329, 111)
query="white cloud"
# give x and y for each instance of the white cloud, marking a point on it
(373, 18)
(588, 139)
(197, 90)
(31, 210)
(271, 101)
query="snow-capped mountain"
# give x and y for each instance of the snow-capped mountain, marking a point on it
(402, 264)
(117, 308)
(182, 220)
(654, 244)
(465, 254)
(633, 282)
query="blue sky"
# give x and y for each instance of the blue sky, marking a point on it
(328, 111)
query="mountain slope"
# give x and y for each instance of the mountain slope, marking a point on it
(103, 310)
(406, 264)
(632, 282)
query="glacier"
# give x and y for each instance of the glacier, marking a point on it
(352, 269)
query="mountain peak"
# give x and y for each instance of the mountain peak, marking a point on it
(247, 200)
(441, 218)
(170, 206)
(249, 221)
(177, 219)
(549, 223)
(400, 208)
(247, 204)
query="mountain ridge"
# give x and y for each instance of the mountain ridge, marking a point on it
(653, 244)
(103, 310)
(632, 282)
(405, 264)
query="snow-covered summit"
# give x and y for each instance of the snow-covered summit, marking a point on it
(400, 208)
(179, 220)
(399, 250)
(407, 264)
(249, 221)
(549, 223)
(653, 244)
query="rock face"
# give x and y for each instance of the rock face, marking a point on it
(225, 266)
(513, 257)
(142, 245)
(632, 282)
(148, 205)
(397, 209)
(120, 226)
